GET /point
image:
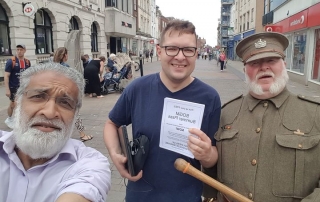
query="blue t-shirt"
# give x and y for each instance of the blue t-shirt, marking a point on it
(15, 71)
(141, 104)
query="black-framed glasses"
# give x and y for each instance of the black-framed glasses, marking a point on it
(39, 96)
(174, 51)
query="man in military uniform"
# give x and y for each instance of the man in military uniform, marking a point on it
(268, 140)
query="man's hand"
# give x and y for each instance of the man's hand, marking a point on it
(200, 146)
(8, 92)
(119, 161)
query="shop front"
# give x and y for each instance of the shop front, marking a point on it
(303, 52)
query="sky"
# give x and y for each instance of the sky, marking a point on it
(203, 14)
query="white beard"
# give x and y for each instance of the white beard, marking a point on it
(35, 143)
(276, 87)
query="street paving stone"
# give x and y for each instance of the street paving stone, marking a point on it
(228, 83)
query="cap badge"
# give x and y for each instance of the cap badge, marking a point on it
(260, 44)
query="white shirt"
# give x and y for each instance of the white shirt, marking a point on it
(76, 169)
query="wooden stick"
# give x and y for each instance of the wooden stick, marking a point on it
(185, 167)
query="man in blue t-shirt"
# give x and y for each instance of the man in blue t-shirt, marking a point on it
(13, 68)
(141, 104)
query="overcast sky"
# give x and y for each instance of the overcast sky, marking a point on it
(203, 14)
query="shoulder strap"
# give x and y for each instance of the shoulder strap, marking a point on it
(27, 62)
(309, 99)
(234, 99)
(13, 61)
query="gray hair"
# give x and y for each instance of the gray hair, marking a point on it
(68, 72)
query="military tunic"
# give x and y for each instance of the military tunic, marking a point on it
(269, 150)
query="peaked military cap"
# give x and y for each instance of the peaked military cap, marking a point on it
(262, 45)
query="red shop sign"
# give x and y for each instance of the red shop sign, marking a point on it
(273, 28)
(298, 21)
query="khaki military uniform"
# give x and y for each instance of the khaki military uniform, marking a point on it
(269, 150)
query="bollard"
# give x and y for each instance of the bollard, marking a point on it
(141, 66)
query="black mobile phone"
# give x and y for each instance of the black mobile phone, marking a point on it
(126, 148)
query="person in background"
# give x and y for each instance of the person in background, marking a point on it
(38, 159)
(178, 53)
(151, 55)
(85, 60)
(93, 74)
(268, 140)
(147, 54)
(61, 57)
(14, 67)
(111, 63)
(222, 60)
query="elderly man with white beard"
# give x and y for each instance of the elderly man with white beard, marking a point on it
(268, 140)
(39, 162)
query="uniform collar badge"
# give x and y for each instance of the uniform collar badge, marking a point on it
(260, 44)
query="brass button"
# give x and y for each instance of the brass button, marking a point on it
(300, 146)
(265, 104)
(254, 162)
(258, 130)
(250, 195)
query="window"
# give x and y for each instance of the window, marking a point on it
(135, 5)
(316, 64)
(252, 11)
(43, 33)
(4, 33)
(266, 6)
(248, 16)
(125, 6)
(236, 25)
(112, 3)
(299, 48)
(94, 38)
(73, 24)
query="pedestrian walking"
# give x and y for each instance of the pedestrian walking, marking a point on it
(151, 54)
(14, 67)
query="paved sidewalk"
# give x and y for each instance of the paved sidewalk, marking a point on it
(229, 84)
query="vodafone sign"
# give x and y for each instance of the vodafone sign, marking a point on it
(273, 28)
(297, 21)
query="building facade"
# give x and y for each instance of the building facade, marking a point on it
(245, 21)
(300, 23)
(43, 26)
(143, 34)
(225, 26)
(119, 25)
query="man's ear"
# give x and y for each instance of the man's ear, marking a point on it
(158, 48)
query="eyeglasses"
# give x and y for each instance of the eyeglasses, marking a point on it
(38, 96)
(174, 51)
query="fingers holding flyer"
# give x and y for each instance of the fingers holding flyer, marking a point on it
(200, 146)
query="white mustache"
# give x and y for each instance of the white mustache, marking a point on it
(42, 120)
(262, 74)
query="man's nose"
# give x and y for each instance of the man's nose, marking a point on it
(264, 65)
(50, 109)
(180, 55)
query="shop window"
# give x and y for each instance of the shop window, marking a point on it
(288, 58)
(94, 38)
(315, 75)
(299, 48)
(4, 33)
(43, 33)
